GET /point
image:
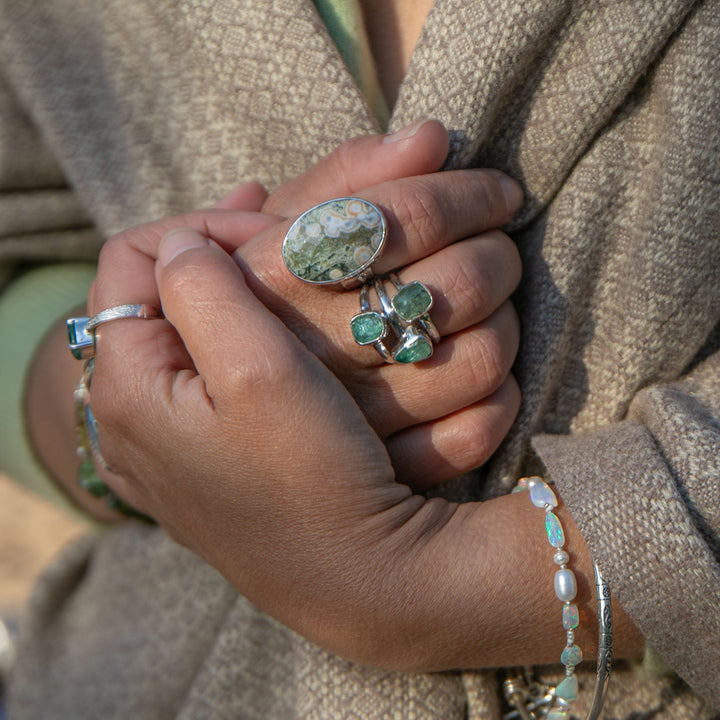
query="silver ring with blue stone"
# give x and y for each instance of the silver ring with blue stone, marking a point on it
(401, 330)
(335, 242)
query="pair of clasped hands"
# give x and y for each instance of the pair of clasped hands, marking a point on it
(257, 433)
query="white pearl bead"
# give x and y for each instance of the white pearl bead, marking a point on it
(565, 585)
(561, 558)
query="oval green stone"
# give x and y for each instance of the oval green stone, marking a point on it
(334, 241)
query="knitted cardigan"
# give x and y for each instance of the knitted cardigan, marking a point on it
(119, 111)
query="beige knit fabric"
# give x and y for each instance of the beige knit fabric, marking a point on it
(608, 112)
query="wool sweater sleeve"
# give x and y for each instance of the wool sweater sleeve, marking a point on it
(646, 496)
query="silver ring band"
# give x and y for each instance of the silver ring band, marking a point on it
(81, 330)
(119, 312)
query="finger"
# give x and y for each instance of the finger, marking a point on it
(424, 214)
(249, 196)
(126, 269)
(468, 280)
(428, 454)
(361, 162)
(465, 368)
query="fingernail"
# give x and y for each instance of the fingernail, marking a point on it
(178, 241)
(512, 191)
(404, 133)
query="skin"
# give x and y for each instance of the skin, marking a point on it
(330, 542)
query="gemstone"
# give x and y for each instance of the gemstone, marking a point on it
(368, 327)
(570, 616)
(412, 301)
(334, 241)
(557, 714)
(413, 348)
(553, 528)
(567, 689)
(88, 479)
(565, 585)
(541, 495)
(571, 656)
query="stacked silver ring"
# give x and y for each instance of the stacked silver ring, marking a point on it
(401, 329)
(336, 242)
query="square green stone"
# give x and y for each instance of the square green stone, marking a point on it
(413, 349)
(368, 327)
(412, 301)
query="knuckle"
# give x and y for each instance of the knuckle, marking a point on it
(488, 362)
(422, 215)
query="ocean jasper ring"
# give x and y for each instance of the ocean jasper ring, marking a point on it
(401, 330)
(335, 242)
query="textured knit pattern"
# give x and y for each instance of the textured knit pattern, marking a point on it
(607, 112)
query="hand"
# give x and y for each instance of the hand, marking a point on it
(437, 420)
(310, 524)
(313, 528)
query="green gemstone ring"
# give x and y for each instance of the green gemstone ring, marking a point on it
(335, 242)
(401, 330)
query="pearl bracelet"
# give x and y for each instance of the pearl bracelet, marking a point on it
(555, 705)
(544, 498)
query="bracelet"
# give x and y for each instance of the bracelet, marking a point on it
(555, 702)
(88, 449)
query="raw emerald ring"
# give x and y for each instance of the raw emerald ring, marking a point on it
(401, 330)
(335, 242)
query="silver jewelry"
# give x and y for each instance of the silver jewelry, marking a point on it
(81, 330)
(335, 242)
(119, 312)
(403, 319)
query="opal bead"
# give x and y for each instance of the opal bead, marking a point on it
(542, 496)
(570, 616)
(565, 585)
(567, 689)
(554, 530)
(571, 656)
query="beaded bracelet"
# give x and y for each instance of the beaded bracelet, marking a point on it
(557, 705)
(88, 449)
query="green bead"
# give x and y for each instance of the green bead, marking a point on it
(553, 528)
(88, 479)
(571, 656)
(567, 689)
(413, 349)
(368, 327)
(412, 301)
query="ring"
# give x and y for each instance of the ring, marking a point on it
(335, 242)
(404, 316)
(81, 330)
